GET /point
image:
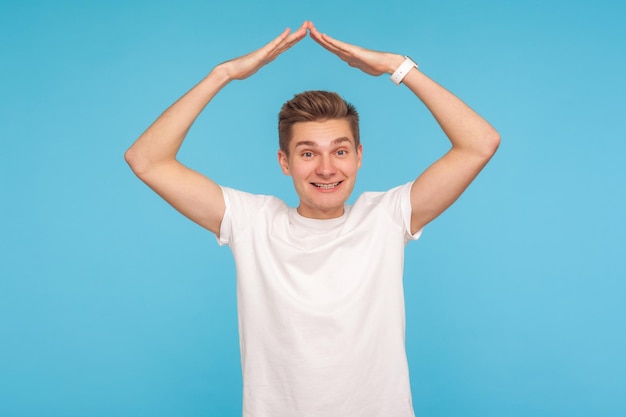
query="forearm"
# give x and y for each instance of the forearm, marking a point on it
(162, 140)
(466, 129)
(160, 143)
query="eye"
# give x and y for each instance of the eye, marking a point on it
(342, 152)
(307, 155)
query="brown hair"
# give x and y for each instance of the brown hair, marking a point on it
(315, 106)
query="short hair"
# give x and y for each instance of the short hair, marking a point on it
(315, 106)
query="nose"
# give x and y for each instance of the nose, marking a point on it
(326, 167)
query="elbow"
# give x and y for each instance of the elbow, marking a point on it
(490, 143)
(135, 161)
(494, 141)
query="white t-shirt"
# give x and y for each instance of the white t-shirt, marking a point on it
(321, 306)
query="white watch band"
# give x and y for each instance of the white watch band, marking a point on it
(403, 70)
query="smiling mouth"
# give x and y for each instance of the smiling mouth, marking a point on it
(326, 186)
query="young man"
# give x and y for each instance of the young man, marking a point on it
(320, 299)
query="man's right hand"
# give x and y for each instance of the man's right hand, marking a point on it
(244, 66)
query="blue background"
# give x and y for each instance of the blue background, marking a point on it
(112, 304)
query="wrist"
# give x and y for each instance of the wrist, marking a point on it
(221, 73)
(402, 70)
(394, 62)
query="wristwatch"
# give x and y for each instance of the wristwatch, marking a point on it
(403, 70)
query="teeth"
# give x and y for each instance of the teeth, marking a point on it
(327, 186)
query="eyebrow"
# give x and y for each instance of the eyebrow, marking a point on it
(312, 144)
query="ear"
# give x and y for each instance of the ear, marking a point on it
(359, 155)
(283, 161)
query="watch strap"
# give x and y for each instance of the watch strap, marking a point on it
(403, 70)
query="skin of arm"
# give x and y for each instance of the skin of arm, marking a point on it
(474, 141)
(153, 155)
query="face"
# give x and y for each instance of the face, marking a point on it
(323, 162)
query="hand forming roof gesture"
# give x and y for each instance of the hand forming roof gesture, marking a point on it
(369, 61)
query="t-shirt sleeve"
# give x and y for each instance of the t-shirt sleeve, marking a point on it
(396, 203)
(241, 208)
(225, 227)
(405, 201)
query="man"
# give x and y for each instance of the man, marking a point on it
(320, 299)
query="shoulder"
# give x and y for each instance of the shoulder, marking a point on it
(246, 210)
(243, 207)
(392, 197)
(391, 207)
(233, 198)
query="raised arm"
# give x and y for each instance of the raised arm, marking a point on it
(473, 139)
(153, 156)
